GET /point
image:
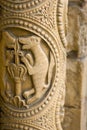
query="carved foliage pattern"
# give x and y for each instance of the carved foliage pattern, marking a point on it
(44, 14)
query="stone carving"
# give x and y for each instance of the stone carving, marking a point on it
(16, 70)
(19, 63)
(38, 73)
(62, 20)
(33, 64)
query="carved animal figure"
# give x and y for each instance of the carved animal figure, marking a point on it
(39, 70)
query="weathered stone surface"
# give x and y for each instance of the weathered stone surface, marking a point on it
(83, 66)
(73, 84)
(72, 119)
(76, 81)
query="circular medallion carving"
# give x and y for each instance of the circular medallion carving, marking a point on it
(29, 90)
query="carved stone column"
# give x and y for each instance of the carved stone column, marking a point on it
(32, 64)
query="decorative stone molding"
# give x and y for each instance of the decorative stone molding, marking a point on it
(33, 64)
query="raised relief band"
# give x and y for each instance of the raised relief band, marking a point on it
(32, 64)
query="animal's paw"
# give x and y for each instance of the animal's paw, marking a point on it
(28, 102)
(26, 94)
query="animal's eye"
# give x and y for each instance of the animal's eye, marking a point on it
(36, 40)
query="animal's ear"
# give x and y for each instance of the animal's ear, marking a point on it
(24, 40)
(35, 39)
(38, 39)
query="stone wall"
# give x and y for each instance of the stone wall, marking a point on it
(76, 81)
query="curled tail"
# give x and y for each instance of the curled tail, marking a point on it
(50, 70)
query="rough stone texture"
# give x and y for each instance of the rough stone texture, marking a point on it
(76, 81)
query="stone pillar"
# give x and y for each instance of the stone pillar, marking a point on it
(76, 75)
(32, 64)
